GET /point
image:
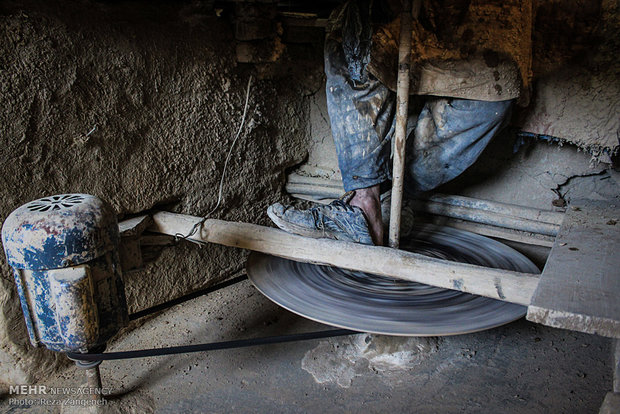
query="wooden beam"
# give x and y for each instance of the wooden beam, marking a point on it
(134, 226)
(616, 367)
(580, 285)
(611, 404)
(130, 252)
(495, 232)
(499, 284)
(510, 210)
(402, 114)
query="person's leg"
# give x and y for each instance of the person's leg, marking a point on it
(368, 199)
(361, 112)
(449, 136)
(361, 119)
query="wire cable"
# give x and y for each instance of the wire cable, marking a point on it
(199, 224)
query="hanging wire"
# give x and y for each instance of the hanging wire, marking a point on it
(199, 224)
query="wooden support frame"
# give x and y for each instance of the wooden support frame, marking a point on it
(402, 105)
(580, 283)
(130, 252)
(499, 284)
(577, 290)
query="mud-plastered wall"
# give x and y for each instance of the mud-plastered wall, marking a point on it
(138, 103)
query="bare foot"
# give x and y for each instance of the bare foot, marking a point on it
(368, 199)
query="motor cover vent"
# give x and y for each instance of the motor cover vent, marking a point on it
(55, 202)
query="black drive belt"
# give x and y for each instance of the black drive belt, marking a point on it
(185, 349)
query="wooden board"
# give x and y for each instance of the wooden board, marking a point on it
(506, 285)
(134, 226)
(611, 404)
(579, 288)
(616, 367)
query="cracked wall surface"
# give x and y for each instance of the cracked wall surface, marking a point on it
(137, 103)
(577, 94)
(536, 174)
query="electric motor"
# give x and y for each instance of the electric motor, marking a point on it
(64, 253)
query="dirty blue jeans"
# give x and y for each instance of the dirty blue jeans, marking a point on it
(443, 138)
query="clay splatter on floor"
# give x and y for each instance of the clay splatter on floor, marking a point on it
(341, 360)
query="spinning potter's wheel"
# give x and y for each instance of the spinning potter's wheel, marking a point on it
(377, 304)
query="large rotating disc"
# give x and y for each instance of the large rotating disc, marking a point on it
(377, 304)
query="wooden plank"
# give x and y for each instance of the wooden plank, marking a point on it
(511, 210)
(134, 226)
(489, 217)
(611, 404)
(496, 232)
(130, 254)
(302, 20)
(616, 367)
(580, 285)
(499, 284)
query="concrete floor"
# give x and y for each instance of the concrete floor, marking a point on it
(518, 368)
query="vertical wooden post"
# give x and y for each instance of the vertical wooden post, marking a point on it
(402, 107)
(616, 350)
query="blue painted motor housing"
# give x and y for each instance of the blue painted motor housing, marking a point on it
(64, 253)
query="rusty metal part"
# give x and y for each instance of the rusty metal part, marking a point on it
(377, 304)
(93, 375)
(93, 379)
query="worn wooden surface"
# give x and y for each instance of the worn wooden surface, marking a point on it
(616, 367)
(496, 232)
(505, 285)
(130, 251)
(611, 404)
(580, 285)
(400, 133)
(134, 226)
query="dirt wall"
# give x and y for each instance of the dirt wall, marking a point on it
(138, 103)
